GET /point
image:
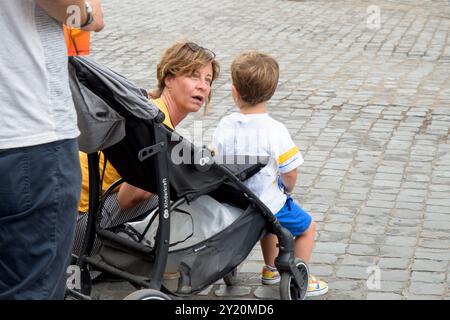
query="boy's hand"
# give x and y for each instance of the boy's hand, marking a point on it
(282, 187)
(288, 180)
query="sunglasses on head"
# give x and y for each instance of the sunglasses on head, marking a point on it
(195, 47)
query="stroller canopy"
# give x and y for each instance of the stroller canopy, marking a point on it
(102, 98)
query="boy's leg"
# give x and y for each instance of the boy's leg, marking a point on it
(269, 274)
(300, 223)
(301, 226)
(269, 249)
(304, 243)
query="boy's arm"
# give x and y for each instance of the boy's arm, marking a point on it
(289, 179)
(289, 158)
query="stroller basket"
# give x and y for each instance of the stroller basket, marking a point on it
(198, 265)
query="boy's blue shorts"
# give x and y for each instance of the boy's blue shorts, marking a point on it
(293, 218)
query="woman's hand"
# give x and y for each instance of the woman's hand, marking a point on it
(130, 196)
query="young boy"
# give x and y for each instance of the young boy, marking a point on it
(253, 132)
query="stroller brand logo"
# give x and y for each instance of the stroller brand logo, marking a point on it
(166, 199)
(204, 161)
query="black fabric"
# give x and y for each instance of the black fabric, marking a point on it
(228, 193)
(199, 265)
(244, 167)
(91, 81)
(185, 179)
(222, 253)
(113, 88)
(102, 100)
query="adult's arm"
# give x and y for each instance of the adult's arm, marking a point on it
(57, 9)
(130, 196)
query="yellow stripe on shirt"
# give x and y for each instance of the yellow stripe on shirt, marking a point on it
(287, 155)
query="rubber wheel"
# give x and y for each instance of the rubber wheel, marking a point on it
(288, 287)
(231, 278)
(147, 294)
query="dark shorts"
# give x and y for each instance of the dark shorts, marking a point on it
(39, 193)
(293, 217)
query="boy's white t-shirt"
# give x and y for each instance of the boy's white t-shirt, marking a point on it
(259, 135)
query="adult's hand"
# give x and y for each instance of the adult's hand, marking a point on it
(130, 196)
(58, 9)
(98, 23)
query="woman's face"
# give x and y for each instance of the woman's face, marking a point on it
(189, 92)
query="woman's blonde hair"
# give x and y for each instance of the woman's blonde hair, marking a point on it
(184, 58)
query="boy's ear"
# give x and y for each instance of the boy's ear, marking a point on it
(235, 93)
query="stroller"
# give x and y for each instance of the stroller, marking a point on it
(206, 222)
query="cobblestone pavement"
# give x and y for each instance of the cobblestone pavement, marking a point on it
(369, 107)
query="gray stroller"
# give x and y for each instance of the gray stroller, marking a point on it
(206, 222)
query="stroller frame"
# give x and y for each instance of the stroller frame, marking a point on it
(285, 261)
(293, 271)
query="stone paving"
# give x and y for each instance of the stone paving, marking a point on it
(367, 100)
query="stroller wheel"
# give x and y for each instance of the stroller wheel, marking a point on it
(289, 289)
(231, 278)
(147, 294)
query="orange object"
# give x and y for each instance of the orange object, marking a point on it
(78, 41)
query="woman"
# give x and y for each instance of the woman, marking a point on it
(185, 74)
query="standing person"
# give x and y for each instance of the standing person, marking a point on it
(253, 132)
(39, 166)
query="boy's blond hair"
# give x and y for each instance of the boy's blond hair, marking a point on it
(255, 76)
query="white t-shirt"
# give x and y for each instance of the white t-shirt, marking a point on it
(259, 135)
(35, 100)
